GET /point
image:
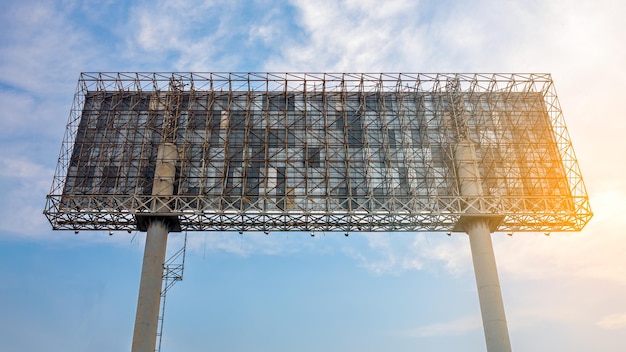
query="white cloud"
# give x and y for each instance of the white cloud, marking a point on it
(170, 25)
(41, 46)
(21, 168)
(418, 36)
(613, 321)
(407, 35)
(597, 253)
(346, 36)
(399, 252)
(204, 35)
(41, 53)
(382, 256)
(171, 33)
(26, 184)
(271, 27)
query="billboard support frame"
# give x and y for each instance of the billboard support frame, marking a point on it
(491, 100)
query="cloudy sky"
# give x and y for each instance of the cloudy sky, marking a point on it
(291, 292)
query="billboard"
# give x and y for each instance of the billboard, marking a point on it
(317, 152)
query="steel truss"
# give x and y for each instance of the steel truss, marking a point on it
(317, 152)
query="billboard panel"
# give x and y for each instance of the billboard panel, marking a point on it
(318, 152)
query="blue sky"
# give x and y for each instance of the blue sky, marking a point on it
(291, 292)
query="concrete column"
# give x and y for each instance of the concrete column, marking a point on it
(476, 224)
(149, 302)
(468, 173)
(489, 293)
(164, 174)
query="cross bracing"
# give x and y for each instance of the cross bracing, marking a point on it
(309, 151)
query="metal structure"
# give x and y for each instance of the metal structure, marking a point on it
(162, 152)
(173, 270)
(323, 152)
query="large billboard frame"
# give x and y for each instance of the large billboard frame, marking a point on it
(451, 96)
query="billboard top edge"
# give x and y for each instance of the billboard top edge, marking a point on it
(323, 81)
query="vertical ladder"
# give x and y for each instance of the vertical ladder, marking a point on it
(172, 273)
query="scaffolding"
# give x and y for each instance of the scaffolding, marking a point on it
(317, 152)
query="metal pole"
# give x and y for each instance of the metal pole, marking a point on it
(147, 318)
(489, 293)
